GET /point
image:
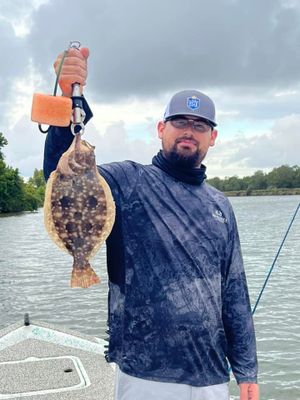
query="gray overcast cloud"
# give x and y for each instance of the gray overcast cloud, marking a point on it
(244, 54)
(147, 47)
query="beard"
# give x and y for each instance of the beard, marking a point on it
(183, 159)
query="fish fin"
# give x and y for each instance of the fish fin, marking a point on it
(48, 216)
(84, 277)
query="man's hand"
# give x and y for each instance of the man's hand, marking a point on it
(74, 69)
(249, 391)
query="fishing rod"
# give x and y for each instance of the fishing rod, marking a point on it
(274, 262)
(275, 259)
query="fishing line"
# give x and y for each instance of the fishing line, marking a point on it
(275, 259)
(55, 86)
(273, 264)
(74, 44)
(59, 72)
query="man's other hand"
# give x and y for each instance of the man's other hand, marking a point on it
(249, 391)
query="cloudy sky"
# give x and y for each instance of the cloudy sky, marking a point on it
(243, 54)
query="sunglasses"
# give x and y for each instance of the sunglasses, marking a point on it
(182, 123)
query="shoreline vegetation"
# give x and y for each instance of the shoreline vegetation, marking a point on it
(16, 195)
(263, 192)
(283, 180)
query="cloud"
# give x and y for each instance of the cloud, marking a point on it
(116, 145)
(244, 155)
(244, 55)
(25, 147)
(13, 61)
(241, 155)
(146, 48)
(281, 146)
(18, 14)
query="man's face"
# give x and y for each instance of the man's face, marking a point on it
(182, 143)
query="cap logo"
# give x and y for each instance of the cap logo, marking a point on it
(193, 103)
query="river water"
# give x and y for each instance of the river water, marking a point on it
(35, 275)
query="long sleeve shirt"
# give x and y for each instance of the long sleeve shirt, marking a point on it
(178, 298)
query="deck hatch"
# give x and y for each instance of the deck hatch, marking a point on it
(36, 376)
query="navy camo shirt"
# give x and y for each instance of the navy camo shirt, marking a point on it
(178, 299)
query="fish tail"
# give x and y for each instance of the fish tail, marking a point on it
(84, 277)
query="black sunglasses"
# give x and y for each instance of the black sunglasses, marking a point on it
(182, 123)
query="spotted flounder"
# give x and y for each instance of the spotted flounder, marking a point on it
(79, 209)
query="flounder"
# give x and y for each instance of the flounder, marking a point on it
(79, 209)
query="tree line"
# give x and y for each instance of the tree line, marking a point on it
(284, 177)
(15, 194)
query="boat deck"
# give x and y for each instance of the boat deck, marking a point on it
(41, 362)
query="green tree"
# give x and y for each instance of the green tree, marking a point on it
(37, 179)
(11, 184)
(3, 142)
(15, 194)
(246, 183)
(39, 185)
(258, 181)
(32, 200)
(232, 183)
(11, 189)
(217, 183)
(281, 177)
(296, 176)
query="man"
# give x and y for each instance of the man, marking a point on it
(178, 297)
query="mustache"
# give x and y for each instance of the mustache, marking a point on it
(179, 139)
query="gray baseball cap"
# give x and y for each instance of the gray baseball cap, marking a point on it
(191, 102)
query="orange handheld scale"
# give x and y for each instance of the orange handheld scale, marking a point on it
(51, 110)
(58, 110)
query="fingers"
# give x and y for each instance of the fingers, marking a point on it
(74, 69)
(73, 57)
(249, 391)
(85, 52)
(77, 73)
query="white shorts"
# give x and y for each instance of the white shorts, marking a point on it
(131, 388)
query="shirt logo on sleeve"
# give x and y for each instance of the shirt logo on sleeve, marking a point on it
(219, 216)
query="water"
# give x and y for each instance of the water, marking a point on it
(35, 275)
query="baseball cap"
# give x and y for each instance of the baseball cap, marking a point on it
(191, 102)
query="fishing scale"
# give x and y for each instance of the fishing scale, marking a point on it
(59, 110)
